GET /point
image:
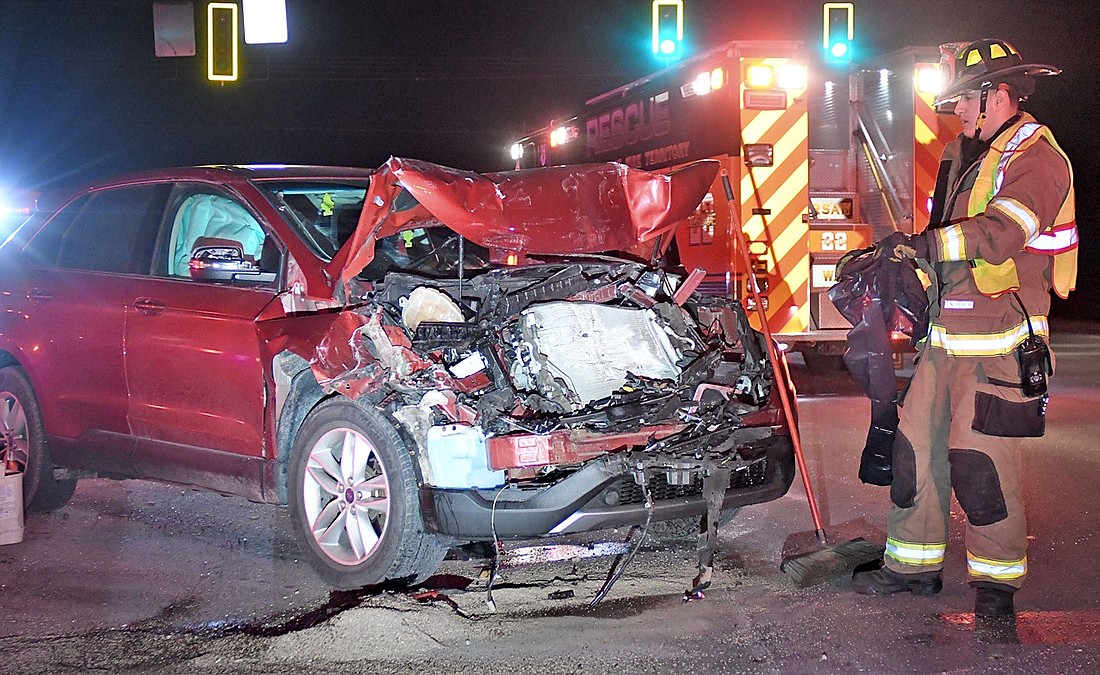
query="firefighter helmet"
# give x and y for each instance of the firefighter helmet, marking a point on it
(984, 63)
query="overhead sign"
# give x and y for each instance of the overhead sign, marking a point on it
(174, 28)
(264, 22)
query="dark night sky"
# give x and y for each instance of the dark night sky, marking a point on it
(82, 93)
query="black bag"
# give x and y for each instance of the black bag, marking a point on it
(877, 296)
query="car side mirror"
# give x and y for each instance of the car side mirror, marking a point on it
(216, 259)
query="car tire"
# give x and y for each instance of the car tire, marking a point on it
(353, 500)
(23, 439)
(682, 529)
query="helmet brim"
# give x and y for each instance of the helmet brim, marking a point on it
(964, 85)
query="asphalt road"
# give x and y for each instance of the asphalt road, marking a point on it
(139, 577)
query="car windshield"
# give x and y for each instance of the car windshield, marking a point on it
(428, 251)
(324, 214)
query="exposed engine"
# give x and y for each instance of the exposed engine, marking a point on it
(530, 357)
(575, 353)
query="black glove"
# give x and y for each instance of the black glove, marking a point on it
(898, 245)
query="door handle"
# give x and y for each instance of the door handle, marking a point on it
(148, 306)
(37, 296)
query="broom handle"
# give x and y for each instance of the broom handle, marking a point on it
(780, 380)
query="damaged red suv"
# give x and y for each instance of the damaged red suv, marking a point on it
(407, 358)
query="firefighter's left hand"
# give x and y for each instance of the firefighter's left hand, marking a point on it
(899, 245)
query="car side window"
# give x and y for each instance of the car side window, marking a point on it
(111, 230)
(44, 245)
(207, 214)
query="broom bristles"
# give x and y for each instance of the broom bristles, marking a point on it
(815, 567)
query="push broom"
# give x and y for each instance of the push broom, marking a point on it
(812, 567)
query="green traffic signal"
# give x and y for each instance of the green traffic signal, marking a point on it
(668, 28)
(838, 32)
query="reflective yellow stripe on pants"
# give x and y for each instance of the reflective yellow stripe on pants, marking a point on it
(909, 553)
(995, 569)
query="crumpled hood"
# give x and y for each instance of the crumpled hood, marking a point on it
(587, 208)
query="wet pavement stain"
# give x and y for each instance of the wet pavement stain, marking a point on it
(338, 603)
(433, 589)
(1033, 628)
(446, 582)
(437, 589)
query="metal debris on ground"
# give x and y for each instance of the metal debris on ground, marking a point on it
(561, 595)
(530, 555)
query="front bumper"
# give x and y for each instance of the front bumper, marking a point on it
(600, 495)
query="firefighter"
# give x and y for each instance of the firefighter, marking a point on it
(1002, 235)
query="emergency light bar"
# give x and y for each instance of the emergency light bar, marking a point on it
(759, 76)
(929, 79)
(562, 135)
(768, 86)
(792, 76)
(789, 76)
(15, 203)
(704, 83)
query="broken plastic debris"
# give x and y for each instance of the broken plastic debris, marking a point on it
(561, 595)
(429, 304)
(474, 363)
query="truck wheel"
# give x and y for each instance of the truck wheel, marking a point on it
(680, 529)
(23, 441)
(354, 499)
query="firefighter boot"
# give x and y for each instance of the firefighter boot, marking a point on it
(884, 581)
(992, 600)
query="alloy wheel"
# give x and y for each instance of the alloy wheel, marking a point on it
(345, 496)
(13, 431)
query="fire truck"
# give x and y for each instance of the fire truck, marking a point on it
(821, 163)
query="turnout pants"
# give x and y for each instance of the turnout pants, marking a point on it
(937, 450)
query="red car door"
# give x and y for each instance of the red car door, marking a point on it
(193, 365)
(64, 306)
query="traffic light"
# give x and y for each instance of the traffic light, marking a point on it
(221, 41)
(838, 32)
(668, 29)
